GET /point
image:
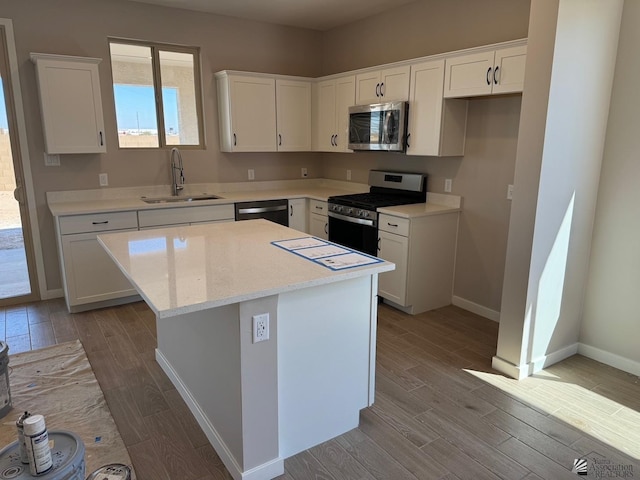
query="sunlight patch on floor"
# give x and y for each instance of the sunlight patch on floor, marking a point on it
(590, 412)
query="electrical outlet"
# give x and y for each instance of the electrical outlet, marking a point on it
(447, 185)
(251, 174)
(509, 192)
(348, 174)
(303, 172)
(104, 179)
(51, 160)
(260, 327)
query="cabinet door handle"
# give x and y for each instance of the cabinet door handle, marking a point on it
(101, 140)
(495, 75)
(395, 225)
(488, 73)
(382, 89)
(407, 141)
(332, 144)
(326, 226)
(379, 240)
(377, 90)
(291, 208)
(279, 139)
(234, 140)
(100, 223)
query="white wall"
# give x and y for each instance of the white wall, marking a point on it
(584, 55)
(611, 320)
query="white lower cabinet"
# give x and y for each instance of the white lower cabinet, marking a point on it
(318, 220)
(89, 275)
(393, 285)
(423, 249)
(298, 214)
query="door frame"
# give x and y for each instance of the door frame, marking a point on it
(24, 166)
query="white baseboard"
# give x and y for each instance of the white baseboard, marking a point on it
(270, 469)
(554, 357)
(525, 370)
(611, 359)
(476, 308)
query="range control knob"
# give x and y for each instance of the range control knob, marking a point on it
(349, 211)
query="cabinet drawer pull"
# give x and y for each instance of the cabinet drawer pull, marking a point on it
(392, 224)
(100, 223)
(488, 80)
(318, 207)
(495, 75)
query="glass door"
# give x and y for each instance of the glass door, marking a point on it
(16, 257)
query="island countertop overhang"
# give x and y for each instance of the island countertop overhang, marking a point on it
(181, 270)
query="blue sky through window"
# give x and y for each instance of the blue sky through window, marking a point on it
(135, 107)
(4, 123)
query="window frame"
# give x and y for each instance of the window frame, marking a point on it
(155, 48)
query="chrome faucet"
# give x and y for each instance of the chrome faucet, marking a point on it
(176, 165)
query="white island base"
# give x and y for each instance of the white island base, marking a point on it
(258, 403)
(261, 403)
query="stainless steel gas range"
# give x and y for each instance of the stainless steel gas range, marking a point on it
(353, 219)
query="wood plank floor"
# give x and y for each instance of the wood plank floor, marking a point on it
(441, 412)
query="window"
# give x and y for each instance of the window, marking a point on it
(145, 117)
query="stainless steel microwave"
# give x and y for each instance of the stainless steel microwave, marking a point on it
(381, 126)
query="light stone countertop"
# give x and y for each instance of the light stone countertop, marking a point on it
(129, 199)
(179, 270)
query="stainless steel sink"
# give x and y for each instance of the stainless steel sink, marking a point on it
(191, 198)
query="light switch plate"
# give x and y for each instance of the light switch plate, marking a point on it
(104, 179)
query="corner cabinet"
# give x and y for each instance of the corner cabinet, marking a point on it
(437, 126)
(331, 102)
(70, 103)
(486, 73)
(262, 113)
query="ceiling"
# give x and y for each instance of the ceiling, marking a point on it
(313, 14)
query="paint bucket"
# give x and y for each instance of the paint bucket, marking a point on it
(113, 471)
(5, 391)
(67, 451)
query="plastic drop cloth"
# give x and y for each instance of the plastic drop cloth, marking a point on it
(58, 382)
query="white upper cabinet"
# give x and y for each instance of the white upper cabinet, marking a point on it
(246, 112)
(262, 113)
(485, 73)
(390, 84)
(437, 127)
(293, 107)
(331, 102)
(70, 103)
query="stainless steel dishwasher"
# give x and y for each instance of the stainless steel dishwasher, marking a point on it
(273, 210)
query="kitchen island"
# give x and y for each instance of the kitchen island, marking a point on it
(262, 402)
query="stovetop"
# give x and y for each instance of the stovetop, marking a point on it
(373, 201)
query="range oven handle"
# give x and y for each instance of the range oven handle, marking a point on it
(360, 221)
(262, 209)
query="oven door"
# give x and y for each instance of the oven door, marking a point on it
(357, 233)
